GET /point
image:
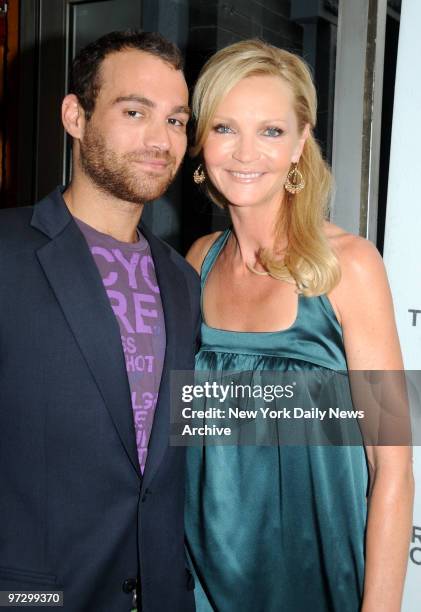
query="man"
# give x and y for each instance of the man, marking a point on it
(94, 314)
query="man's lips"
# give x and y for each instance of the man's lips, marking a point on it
(153, 164)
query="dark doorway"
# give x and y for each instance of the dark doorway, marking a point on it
(390, 58)
(51, 34)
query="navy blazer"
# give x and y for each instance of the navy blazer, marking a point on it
(75, 513)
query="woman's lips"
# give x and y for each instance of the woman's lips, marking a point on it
(245, 176)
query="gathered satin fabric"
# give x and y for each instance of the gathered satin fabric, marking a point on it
(276, 528)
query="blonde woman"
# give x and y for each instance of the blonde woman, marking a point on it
(291, 529)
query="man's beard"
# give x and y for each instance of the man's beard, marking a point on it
(116, 174)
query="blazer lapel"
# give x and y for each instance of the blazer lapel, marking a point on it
(74, 278)
(173, 290)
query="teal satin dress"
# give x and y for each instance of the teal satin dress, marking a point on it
(279, 528)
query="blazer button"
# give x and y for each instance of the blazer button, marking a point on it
(129, 585)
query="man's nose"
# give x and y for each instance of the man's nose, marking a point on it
(246, 149)
(156, 136)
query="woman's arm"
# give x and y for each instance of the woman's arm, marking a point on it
(364, 304)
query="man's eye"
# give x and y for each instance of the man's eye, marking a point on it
(176, 122)
(221, 128)
(134, 114)
(273, 131)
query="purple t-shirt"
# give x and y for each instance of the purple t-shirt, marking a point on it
(128, 274)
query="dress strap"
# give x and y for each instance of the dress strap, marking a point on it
(212, 255)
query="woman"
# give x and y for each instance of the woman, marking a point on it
(286, 528)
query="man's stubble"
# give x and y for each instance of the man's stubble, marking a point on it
(116, 173)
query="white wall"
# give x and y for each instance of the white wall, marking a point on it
(403, 237)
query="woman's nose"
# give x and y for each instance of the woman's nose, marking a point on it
(246, 150)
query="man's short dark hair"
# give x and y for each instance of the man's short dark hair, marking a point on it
(85, 80)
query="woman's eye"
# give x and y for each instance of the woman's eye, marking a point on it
(273, 131)
(222, 129)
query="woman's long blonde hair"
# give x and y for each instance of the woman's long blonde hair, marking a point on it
(309, 260)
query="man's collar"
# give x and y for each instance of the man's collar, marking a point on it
(51, 214)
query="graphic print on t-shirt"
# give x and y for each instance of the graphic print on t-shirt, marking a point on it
(129, 278)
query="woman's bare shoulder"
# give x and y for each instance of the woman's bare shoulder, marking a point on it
(362, 274)
(198, 250)
(356, 254)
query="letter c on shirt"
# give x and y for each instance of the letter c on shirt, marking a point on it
(113, 276)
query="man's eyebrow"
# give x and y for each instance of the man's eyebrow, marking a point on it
(135, 98)
(146, 102)
(181, 109)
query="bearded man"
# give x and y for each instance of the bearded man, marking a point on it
(95, 312)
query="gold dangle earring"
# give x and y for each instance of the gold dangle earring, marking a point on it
(295, 181)
(199, 175)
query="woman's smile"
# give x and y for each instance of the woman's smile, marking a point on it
(243, 176)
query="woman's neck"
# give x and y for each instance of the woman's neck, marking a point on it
(254, 230)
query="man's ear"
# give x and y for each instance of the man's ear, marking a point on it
(297, 153)
(73, 116)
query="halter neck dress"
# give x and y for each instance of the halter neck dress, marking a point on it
(279, 528)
